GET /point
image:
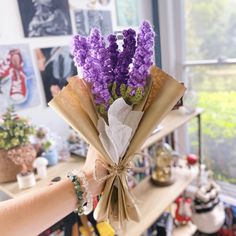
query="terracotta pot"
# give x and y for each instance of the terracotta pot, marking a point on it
(8, 168)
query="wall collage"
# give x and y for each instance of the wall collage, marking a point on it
(54, 18)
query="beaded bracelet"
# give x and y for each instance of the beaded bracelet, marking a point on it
(85, 200)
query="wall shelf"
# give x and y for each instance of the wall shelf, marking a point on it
(153, 200)
(170, 123)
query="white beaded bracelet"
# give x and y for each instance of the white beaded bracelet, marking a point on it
(85, 197)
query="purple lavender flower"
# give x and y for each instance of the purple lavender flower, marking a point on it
(108, 71)
(96, 68)
(79, 49)
(142, 58)
(125, 57)
(113, 50)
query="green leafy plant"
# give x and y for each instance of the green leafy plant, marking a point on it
(47, 145)
(14, 130)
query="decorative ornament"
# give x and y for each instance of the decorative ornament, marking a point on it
(162, 175)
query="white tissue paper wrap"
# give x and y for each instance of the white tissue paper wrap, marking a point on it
(122, 124)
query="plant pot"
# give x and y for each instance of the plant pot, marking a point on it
(51, 156)
(8, 159)
(26, 181)
(8, 169)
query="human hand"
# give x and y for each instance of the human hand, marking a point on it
(95, 187)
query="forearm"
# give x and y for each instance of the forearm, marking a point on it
(33, 213)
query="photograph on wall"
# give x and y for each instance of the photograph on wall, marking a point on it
(56, 66)
(45, 17)
(88, 19)
(17, 77)
(127, 13)
(104, 2)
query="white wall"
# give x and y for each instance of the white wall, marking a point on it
(11, 31)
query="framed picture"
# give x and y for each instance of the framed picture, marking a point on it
(127, 12)
(17, 77)
(45, 17)
(87, 19)
(56, 66)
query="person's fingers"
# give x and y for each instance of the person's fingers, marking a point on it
(89, 166)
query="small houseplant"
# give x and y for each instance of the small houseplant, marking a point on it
(50, 153)
(16, 152)
(44, 142)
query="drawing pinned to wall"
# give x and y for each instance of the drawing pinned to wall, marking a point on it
(17, 78)
(127, 12)
(104, 2)
(45, 17)
(56, 66)
(87, 19)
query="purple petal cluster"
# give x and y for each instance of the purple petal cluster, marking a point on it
(79, 50)
(142, 58)
(94, 69)
(125, 57)
(113, 51)
(103, 66)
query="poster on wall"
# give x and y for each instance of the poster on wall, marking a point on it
(127, 13)
(56, 66)
(45, 17)
(17, 78)
(87, 19)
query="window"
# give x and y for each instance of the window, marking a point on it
(210, 66)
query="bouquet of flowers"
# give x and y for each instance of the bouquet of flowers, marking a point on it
(115, 107)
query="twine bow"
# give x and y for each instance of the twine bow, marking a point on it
(117, 202)
(110, 170)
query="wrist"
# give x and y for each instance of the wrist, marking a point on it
(83, 194)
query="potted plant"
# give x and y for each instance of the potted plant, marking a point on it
(50, 153)
(16, 152)
(44, 143)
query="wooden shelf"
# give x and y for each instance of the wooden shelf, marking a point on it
(61, 170)
(171, 122)
(154, 200)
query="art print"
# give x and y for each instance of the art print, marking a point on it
(17, 78)
(45, 17)
(56, 66)
(127, 12)
(88, 19)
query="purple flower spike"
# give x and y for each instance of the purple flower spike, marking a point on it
(96, 68)
(125, 57)
(79, 49)
(142, 58)
(113, 50)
